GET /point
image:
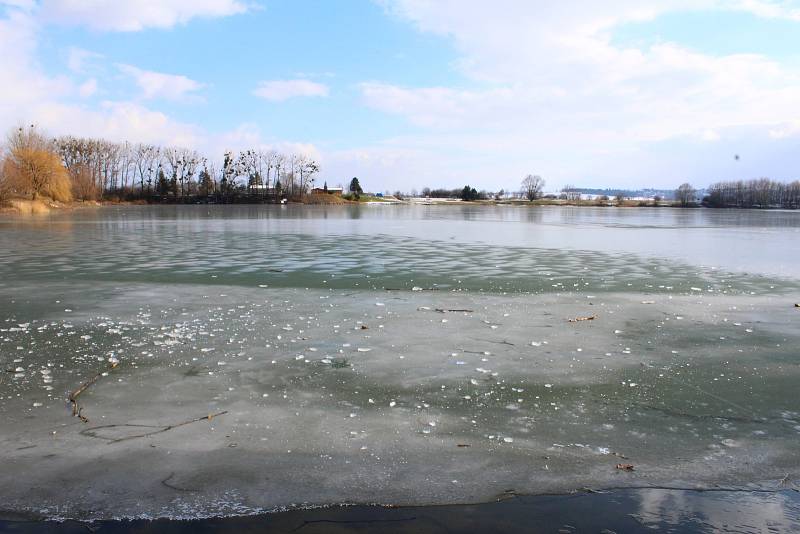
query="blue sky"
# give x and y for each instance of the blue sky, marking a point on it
(717, 32)
(279, 40)
(414, 93)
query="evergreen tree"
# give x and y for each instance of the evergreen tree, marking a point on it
(355, 188)
(162, 186)
(228, 173)
(206, 183)
(469, 193)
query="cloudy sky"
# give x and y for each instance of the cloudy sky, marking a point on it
(413, 93)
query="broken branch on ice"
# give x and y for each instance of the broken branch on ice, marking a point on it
(91, 432)
(504, 342)
(415, 288)
(73, 396)
(587, 318)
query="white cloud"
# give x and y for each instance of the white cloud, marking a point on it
(558, 60)
(384, 166)
(280, 90)
(88, 88)
(59, 105)
(785, 130)
(249, 136)
(769, 9)
(78, 59)
(28, 87)
(117, 121)
(20, 4)
(548, 87)
(55, 103)
(157, 85)
(135, 15)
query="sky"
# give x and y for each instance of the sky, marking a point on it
(406, 94)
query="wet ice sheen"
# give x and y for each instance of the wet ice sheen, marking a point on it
(355, 390)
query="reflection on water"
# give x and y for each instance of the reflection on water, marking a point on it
(682, 511)
(493, 249)
(190, 255)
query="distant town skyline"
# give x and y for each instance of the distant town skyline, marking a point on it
(407, 94)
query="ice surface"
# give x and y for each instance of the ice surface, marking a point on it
(304, 428)
(261, 390)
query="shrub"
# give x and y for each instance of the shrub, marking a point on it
(83, 184)
(4, 189)
(33, 168)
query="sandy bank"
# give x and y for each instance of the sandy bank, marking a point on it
(41, 206)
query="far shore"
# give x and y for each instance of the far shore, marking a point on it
(43, 205)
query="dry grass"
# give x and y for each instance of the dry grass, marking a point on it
(323, 198)
(29, 207)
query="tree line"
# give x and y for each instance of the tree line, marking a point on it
(99, 169)
(65, 168)
(760, 193)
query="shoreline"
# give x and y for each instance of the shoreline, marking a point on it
(41, 206)
(45, 206)
(608, 510)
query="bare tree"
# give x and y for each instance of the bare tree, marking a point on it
(127, 165)
(228, 180)
(247, 165)
(761, 193)
(109, 159)
(173, 157)
(279, 162)
(685, 195)
(307, 168)
(97, 166)
(571, 193)
(83, 185)
(191, 160)
(271, 159)
(145, 156)
(532, 187)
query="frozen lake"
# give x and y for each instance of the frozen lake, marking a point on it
(245, 359)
